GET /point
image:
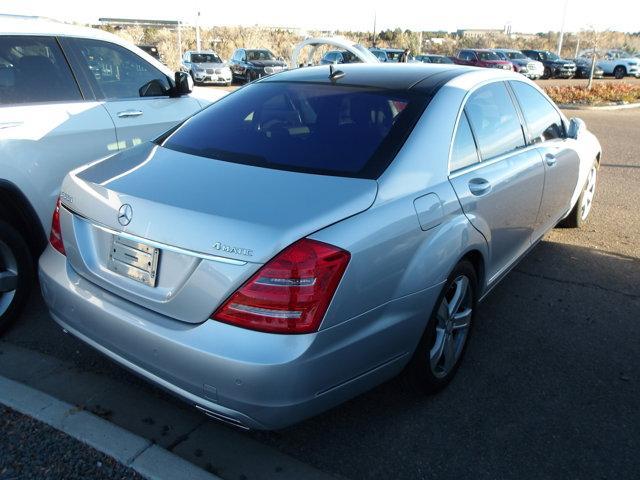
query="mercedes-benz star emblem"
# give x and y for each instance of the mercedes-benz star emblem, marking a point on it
(125, 214)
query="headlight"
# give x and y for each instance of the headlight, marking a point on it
(198, 68)
(633, 64)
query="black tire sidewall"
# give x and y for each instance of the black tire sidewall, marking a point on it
(25, 264)
(418, 372)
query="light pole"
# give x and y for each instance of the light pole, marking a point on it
(179, 44)
(564, 17)
(198, 44)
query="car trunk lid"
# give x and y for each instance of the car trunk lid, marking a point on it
(213, 222)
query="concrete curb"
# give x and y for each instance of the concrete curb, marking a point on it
(573, 106)
(137, 453)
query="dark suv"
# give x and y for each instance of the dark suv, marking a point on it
(248, 65)
(554, 66)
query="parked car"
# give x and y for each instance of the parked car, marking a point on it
(583, 68)
(266, 304)
(248, 65)
(387, 54)
(432, 58)
(206, 67)
(68, 95)
(482, 58)
(620, 64)
(151, 50)
(554, 66)
(532, 69)
(339, 56)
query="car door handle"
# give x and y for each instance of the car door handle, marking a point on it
(479, 186)
(550, 159)
(129, 113)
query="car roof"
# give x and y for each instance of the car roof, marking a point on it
(375, 75)
(38, 26)
(23, 25)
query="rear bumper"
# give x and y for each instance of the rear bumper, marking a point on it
(247, 378)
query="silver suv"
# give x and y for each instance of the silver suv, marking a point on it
(206, 66)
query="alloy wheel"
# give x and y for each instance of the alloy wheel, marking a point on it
(589, 193)
(8, 277)
(454, 319)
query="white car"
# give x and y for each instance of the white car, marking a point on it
(68, 95)
(620, 64)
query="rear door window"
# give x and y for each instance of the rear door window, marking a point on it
(543, 120)
(464, 152)
(325, 129)
(117, 72)
(494, 120)
(34, 70)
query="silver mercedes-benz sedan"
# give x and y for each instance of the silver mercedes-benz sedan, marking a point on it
(314, 233)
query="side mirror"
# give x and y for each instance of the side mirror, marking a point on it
(153, 88)
(183, 84)
(576, 127)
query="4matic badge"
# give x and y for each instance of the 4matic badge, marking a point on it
(229, 249)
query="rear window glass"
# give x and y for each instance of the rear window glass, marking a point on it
(314, 128)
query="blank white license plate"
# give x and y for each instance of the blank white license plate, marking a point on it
(134, 260)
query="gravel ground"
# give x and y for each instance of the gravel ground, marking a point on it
(28, 449)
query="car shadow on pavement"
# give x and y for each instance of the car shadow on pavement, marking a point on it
(549, 386)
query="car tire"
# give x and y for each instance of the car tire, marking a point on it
(619, 72)
(250, 77)
(580, 212)
(16, 274)
(447, 333)
(547, 73)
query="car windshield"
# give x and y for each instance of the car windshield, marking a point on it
(260, 55)
(205, 58)
(488, 56)
(550, 56)
(516, 56)
(325, 129)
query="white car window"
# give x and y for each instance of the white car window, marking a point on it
(119, 73)
(33, 70)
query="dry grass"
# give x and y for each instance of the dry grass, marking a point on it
(599, 94)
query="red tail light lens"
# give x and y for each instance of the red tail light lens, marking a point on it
(55, 238)
(290, 293)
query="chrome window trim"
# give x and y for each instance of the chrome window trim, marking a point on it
(455, 173)
(491, 161)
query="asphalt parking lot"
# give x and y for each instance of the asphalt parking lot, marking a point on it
(550, 386)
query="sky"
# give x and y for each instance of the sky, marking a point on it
(529, 16)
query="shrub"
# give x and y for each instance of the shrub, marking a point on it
(600, 93)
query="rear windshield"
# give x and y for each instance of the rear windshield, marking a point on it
(314, 128)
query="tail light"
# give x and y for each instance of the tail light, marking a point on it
(55, 238)
(290, 293)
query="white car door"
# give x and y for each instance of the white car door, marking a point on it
(135, 93)
(47, 126)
